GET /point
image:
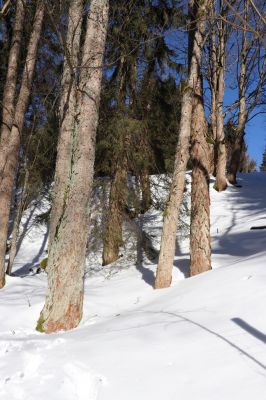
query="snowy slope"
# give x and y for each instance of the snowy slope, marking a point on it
(202, 339)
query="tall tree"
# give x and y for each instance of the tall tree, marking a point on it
(9, 146)
(200, 243)
(217, 82)
(167, 250)
(251, 78)
(67, 249)
(131, 29)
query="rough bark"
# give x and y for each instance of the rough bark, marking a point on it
(167, 250)
(9, 149)
(68, 113)
(113, 230)
(200, 243)
(12, 71)
(66, 257)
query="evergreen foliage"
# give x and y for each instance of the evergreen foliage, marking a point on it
(263, 164)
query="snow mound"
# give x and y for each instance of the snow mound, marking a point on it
(203, 338)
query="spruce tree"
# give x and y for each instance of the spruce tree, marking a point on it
(263, 164)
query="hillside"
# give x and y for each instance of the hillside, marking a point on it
(202, 339)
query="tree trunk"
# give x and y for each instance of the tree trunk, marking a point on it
(146, 200)
(15, 230)
(213, 87)
(242, 113)
(12, 71)
(221, 183)
(167, 251)
(66, 258)
(68, 113)
(9, 150)
(113, 230)
(236, 155)
(200, 243)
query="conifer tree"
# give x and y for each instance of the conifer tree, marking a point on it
(263, 163)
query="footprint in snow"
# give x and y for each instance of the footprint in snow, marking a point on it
(80, 383)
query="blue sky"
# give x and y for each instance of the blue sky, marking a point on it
(256, 137)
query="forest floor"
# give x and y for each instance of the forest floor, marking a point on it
(202, 339)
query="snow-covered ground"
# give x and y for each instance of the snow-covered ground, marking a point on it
(202, 339)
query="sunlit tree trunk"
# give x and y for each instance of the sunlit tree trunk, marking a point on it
(67, 251)
(9, 149)
(8, 104)
(171, 214)
(68, 113)
(221, 183)
(200, 243)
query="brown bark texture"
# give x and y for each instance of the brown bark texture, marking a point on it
(146, 200)
(9, 148)
(200, 242)
(68, 113)
(114, 221)
(12, 71)
(67, 250)
(171, 214)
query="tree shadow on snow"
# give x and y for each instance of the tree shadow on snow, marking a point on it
(251, 201)
(253, 331)
(23, 271)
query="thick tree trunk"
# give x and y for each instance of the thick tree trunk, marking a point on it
(200, 243)
(12, 71)
(167, 251)
(66, 258)
(113, 230)
(68, 113)
(9, 150)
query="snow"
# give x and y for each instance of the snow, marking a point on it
(203, 338)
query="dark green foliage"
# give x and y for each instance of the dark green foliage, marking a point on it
(140, 100)
(263, 164)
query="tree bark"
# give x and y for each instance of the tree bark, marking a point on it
(66, 258)
(146, 200)
(12, 71)
(167, 251)
(213, 87)
(9, 150)
(68, 113)
(200, 242)
(113, 230)
(220, 183)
